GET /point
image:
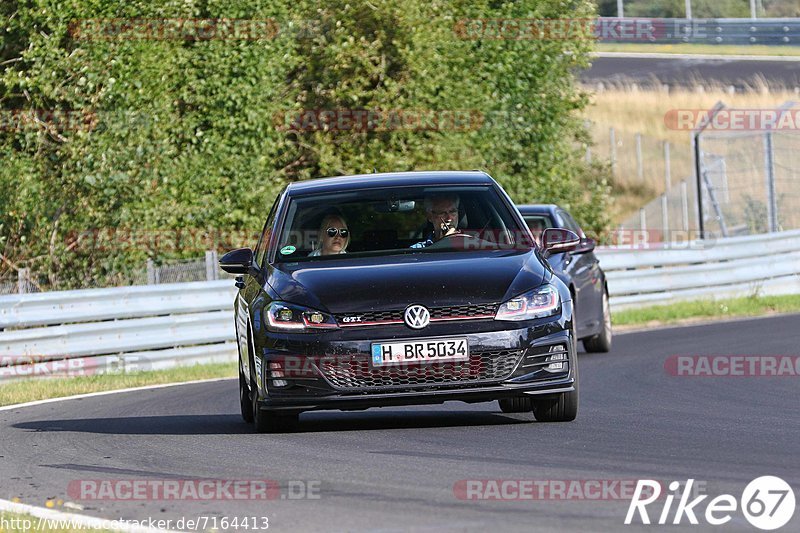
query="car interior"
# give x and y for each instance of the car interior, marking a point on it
(378, 225)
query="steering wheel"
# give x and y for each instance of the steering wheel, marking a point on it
(448, 240)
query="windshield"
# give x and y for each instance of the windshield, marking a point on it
(406, 220)
(537, 223)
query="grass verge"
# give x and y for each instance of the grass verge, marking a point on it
(710, 49)
(695, 311)
(39, 389)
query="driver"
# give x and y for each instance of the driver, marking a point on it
(441, 210)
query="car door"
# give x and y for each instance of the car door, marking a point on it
(249, 286)
(584, 269)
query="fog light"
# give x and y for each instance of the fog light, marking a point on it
(316, 318)
(558, 353)
(276, 371)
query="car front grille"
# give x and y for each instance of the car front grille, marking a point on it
(456, 312)
(482, 367)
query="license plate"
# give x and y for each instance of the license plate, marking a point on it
(420, 351)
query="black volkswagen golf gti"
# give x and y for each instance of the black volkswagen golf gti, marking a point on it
(401, 289)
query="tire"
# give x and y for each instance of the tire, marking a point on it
(602, 341)
(564, 407)
(516, 405)
(245, 403)
(270, 422)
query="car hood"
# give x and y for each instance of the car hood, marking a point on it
(394, 282)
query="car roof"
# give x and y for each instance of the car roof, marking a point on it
(530, 209)
(390, 179)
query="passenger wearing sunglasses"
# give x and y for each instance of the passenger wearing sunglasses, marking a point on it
(333, 237)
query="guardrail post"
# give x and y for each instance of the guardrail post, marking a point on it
(639, 162)
(612, 139)
(23, 280)
(211, 265)
(769, 165)
(151, 272)
(685, 205)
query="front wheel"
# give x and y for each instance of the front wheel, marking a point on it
(271, 422)
(564, 406)
(515, 405)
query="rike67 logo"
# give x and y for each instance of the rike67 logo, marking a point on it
(767, 502)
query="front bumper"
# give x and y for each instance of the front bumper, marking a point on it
(531, 342)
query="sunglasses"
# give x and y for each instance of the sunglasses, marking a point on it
(341, 231)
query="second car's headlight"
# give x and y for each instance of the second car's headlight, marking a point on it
(282, 316)
(540, 302)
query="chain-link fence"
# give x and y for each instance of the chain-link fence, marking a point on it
(748, 179)
(177, 271)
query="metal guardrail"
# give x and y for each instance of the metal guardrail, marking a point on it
(738, 266)
(123, 329)
(162, 326)
(770, 31)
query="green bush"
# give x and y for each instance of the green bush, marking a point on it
(177, 136)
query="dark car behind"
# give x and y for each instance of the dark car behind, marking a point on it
(580, 270)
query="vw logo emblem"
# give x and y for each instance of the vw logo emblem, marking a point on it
(417, 317)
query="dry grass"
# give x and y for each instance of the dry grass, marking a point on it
(630, 110)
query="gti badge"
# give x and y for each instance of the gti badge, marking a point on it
(350, 319)
(417, 317)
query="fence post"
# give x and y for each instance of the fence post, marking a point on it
(211, 265)
(23, 280)
(620, 9)
(685, 205)
(689, 9)
(769, 165)
(151, 272)
(643, 219)
(664, 217)
(667, 168)
(639, 162)
(612, 136)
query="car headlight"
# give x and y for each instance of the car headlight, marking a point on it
(281, 316)
(540, 302)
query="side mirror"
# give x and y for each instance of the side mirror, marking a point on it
(556, 240)
(587, 245)
(237, 261)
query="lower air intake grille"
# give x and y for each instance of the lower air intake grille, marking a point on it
(482, 367)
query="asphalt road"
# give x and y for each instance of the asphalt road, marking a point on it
(692, 72)
(395, 469)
